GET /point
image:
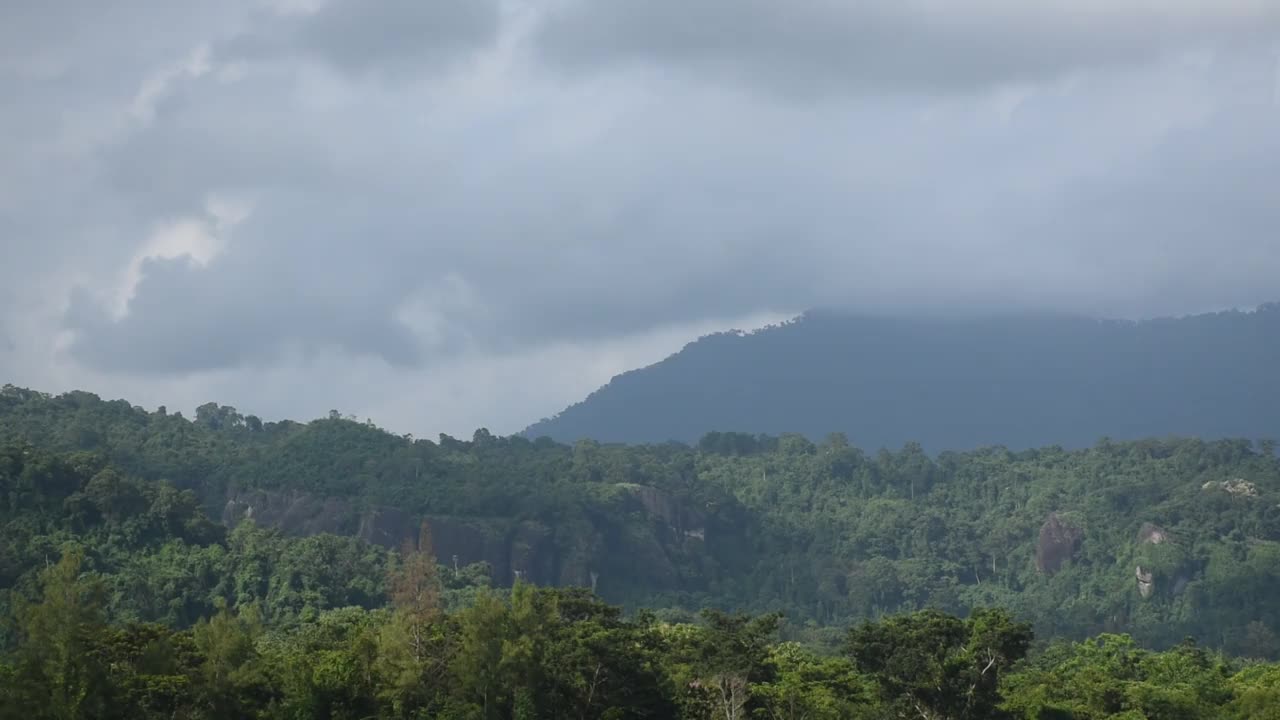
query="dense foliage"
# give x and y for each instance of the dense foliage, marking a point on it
(952, 383)
(1159, 539)
(157, 557)
(561, 653)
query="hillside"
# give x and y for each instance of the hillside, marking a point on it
(1158, 538)
(952, 383)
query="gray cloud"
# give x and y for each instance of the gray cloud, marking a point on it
(645, 218)
(386, 37)
(185, 319)
(1186, 229)
(821, 46)
(360, 35)
(186, 217)
(7, 343)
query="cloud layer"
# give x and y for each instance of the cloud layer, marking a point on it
(458, 213)
(921, 46)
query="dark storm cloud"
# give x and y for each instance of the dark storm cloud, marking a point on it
(822, 46)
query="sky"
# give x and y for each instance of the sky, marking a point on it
(454, 214)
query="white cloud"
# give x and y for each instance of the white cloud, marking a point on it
(294, 7)
(159, 83)
(196, 239)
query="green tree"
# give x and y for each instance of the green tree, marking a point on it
(413, 648)
(931, 665)
(231, 677)
(808, 687)
(733, 653)
(597, 665)
(477, 669)
(55, 674)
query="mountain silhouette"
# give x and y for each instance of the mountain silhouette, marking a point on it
(1019, 381)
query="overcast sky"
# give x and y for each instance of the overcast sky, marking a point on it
(448, 214)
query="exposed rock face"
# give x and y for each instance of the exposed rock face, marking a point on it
(508, 547)
(531, 552)
(1148, 534)
(388, 527)
(295, 513)
(1146, 582)
(1153, 534)
(1059, 542)
(303, 514)
(513, 549)
(680, 519)
(1238, 487)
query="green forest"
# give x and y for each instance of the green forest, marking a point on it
(222, 566)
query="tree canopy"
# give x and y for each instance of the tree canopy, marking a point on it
(154, 566)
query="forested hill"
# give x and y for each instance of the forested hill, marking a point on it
(952, 383)
(1158, 538)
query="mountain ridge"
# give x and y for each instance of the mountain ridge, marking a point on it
(951, 382)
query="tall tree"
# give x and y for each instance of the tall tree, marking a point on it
(933, 666)
(231, 676)
(56, 673)
(414, 587)
(734, 650)
(412, 653)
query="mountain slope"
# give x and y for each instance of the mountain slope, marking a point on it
(951, 383)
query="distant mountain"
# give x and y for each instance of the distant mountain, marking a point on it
(952, 383)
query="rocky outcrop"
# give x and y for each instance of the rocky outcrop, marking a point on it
(1146, 582)
(304, 514)
(524, 550)
(388, 527)
(1059, 542)
(682, 520)
(1237, 487)
(510, 548)
(295, 513)
(580, 563)
(649, 550)
(1148, 534)
(1153, 534)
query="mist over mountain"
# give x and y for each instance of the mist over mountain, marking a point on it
(951, 382)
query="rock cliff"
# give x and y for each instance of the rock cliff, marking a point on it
(605, 553)
(1148, 534)
(1059, 541)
